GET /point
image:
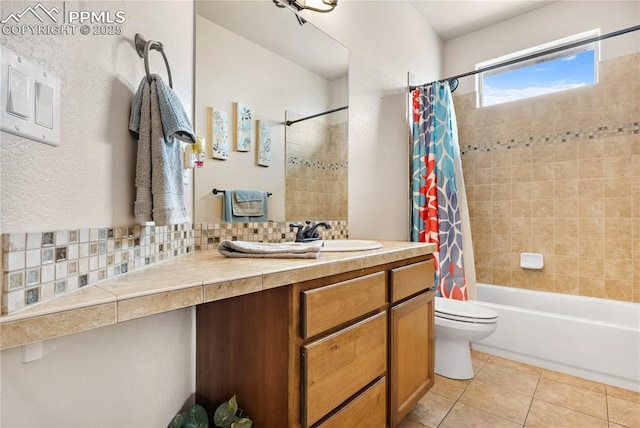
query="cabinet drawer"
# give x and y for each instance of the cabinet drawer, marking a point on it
(336, 367)
(366, 410)
(409, 280)
(327, 307)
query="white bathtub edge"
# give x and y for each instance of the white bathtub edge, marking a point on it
(558, 367)
(605, 348)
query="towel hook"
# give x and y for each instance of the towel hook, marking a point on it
(143, 47)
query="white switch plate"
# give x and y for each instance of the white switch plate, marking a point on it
(29, 127)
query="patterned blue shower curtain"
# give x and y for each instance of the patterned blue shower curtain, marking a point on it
(435, 210)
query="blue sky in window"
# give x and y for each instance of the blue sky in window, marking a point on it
(538, 79)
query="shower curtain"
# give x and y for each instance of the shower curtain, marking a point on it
(439, 212)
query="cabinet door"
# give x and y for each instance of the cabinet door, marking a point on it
(412, 354)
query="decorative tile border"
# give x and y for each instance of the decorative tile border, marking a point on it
(207, 236)
(556, 138)
(40, 266)
(333, 166)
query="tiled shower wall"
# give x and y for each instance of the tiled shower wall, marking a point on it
(316, 170)
(559, 175)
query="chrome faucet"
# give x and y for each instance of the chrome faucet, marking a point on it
(309, 232)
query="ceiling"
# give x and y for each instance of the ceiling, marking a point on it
(278, 30)
(323, 55)
(453, 18)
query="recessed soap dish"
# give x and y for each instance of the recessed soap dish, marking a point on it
(531, 260)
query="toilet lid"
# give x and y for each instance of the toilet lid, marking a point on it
(464, 311)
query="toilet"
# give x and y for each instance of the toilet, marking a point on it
(458, 323)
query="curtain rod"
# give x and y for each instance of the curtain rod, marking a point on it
(291, 122)
(534, 55)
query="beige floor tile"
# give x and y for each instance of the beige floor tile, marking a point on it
(514, 365)
(573, 380)
(410, 424)
(450, 388)
(478, 360)
(431, 409)
(624, 412)
(509, 378)
(572, 397)
(625, 394)
(480, 356)
(465, 416)
(477, 365)
(613, 425)
(497, 400)
(545, 415)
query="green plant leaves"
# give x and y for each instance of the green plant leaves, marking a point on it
(242, 423)
(225, 416)
(194, 417)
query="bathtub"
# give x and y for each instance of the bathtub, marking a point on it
(596, 339)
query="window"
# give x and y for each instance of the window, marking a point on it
(567, 69)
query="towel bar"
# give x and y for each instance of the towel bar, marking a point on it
(216, 191)
(143, 46)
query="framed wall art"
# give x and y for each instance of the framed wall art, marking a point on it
(220, 134)
(264, 143)
(244, 137)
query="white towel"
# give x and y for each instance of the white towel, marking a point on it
(292, 250)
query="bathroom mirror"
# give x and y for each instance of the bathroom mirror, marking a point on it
(281, 68)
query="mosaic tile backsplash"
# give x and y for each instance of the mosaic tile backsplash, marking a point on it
(41, 266)
(207, 236)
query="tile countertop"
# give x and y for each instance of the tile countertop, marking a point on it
(199, 277)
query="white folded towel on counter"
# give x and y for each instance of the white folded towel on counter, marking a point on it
(289, 250)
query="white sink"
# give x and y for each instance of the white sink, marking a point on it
(349, 245)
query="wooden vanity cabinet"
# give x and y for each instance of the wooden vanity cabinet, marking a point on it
(320, 353)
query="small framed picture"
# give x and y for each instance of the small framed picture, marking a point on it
(244, 137)
(220, 134)
(264, 143)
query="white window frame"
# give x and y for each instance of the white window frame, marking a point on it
(595, 47)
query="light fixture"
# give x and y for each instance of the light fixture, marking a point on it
(322, 6)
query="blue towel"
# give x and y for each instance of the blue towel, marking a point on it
(160, 121)
(175, 121)
(227, 210)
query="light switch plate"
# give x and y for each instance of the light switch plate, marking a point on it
(41, 107)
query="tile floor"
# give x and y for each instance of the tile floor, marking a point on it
(505, 393)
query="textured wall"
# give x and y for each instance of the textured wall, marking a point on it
(559, 175)
(88, 180)
(138, 373)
